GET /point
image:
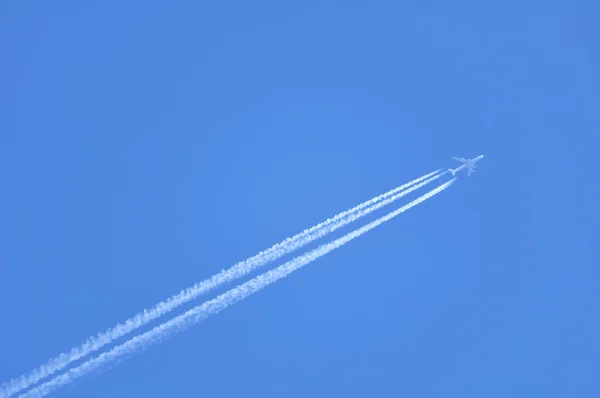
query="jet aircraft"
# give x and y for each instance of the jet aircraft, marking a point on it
(469, 163)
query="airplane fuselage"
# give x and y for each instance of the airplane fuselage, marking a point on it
(471, 162)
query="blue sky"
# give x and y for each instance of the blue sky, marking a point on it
(145, 146)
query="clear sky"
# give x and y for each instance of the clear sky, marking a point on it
(146, 145)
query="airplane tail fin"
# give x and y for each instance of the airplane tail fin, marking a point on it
(453, 171)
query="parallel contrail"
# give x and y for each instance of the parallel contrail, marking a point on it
(242, 268)
(214, 306)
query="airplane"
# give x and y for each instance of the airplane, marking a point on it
(470, 163)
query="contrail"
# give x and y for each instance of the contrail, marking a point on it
(278, 250)
(214, 306)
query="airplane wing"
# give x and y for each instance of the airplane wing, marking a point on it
(462, 160)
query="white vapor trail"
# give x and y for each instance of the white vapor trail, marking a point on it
(242, 268)
(214, 306)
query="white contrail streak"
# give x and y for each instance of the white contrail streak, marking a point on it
(214, 306)
(242, 268)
